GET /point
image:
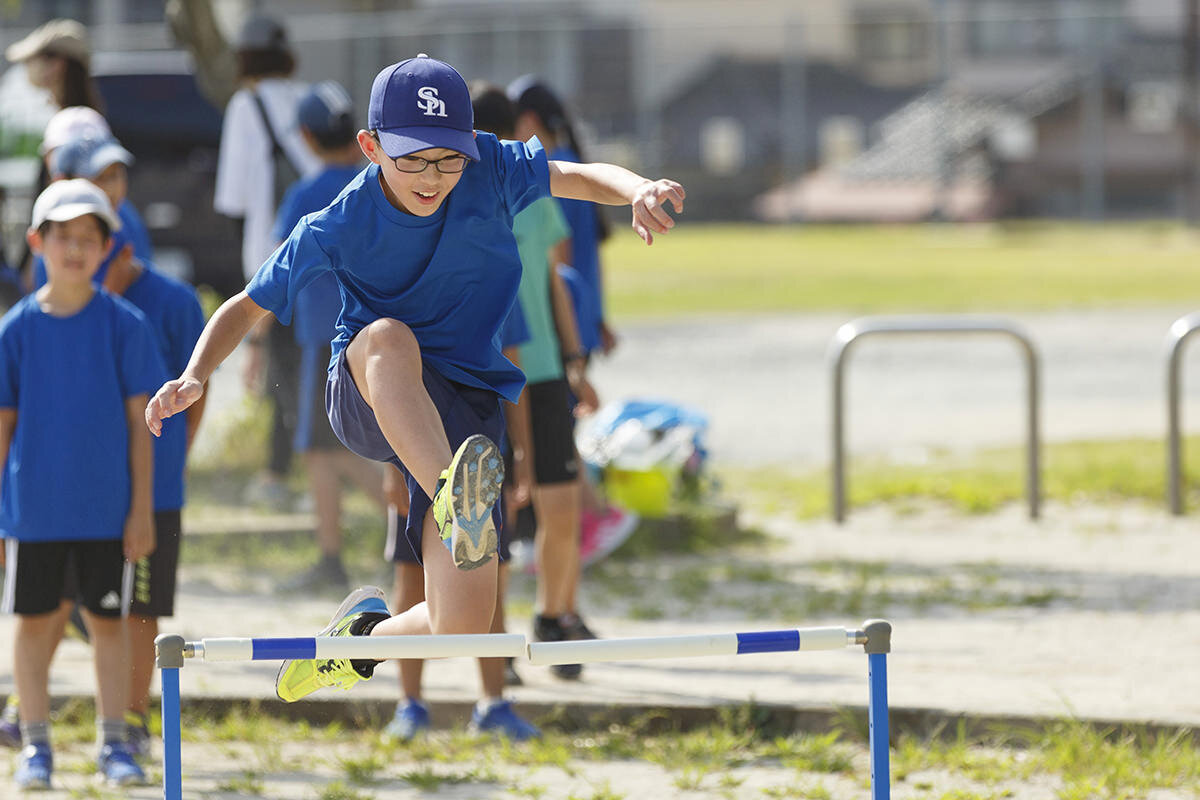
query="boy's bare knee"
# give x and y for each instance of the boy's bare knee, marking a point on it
(391, 337)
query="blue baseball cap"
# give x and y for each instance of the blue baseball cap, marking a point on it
(87, 158)
(422, 103)
(325, 109)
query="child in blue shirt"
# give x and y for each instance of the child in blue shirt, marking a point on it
(326, 122)
(421, 245)
(76, 367)
(174, 313)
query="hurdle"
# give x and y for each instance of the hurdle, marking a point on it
(875, 636)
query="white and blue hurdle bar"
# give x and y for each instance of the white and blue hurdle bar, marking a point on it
(875, 637)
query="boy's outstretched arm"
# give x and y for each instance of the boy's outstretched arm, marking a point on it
(617, 186)
(232, 321)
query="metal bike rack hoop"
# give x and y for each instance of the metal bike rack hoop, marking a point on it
(1177, 335)
(851, 332)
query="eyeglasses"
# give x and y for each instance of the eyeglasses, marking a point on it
(447, 165)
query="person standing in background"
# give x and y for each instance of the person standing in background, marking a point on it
(57, 58)
(262, 153)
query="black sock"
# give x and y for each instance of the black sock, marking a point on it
(363, 626)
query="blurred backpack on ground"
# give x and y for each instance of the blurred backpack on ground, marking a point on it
(650, 454)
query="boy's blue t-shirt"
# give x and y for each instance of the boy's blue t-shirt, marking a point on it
(314, 320)
(450, 277)
(132, 231)
(135, 231)
(175, 316)
(67, 473)
(585, 257)
(515, 331)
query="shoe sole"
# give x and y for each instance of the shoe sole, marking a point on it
(352, 599)
(476, 476)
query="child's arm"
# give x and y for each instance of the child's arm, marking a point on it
(8, 424)
(520, 439)
(571, 348)
(139, 524)
(232, 321)
(617, 186)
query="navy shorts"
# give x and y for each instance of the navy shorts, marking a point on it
(465, 411)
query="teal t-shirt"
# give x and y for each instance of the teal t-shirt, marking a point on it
(538, 228)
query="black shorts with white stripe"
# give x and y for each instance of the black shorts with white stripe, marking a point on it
(35, 574)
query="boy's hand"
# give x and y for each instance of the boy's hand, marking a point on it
(139, 538)
(520, 489)
(173, 397)
(586, 399)
(649, 215)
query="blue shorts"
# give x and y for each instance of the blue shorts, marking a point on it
(465, 411)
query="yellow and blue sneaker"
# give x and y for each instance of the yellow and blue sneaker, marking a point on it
(300, 678)
(462, 506)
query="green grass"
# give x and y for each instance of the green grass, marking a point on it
(1074, 759)
(977, 482)
(1026, 266)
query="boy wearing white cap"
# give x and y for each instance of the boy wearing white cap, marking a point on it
(176, 317)
(422, 248)
(76, 366)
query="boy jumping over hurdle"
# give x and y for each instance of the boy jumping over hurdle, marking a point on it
(422, 248)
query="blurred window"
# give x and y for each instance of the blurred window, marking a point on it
(1042, 27)
(891, 33)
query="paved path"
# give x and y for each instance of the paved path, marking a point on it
(764, 381)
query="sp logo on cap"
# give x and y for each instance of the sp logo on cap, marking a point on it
(430, 103)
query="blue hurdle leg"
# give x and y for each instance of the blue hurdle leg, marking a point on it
(877, 713)
(172, 766)
(169, 658)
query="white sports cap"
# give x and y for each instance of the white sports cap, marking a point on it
(67, 200)
(74, 122)
(58, 37)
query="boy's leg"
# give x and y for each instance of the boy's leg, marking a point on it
(142, 632)
(32, 649)
(556, 545)
(491, 670)
(110, 644)
(412, 716)
(455, 601)
(385, 367)
(410, 590)
(385, 363)
(494, 714)
(361, 473)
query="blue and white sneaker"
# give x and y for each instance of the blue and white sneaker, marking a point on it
(411, 720)
(34, 765)
(501, 720)
(301, 677)
(462, 505)
(115, 763)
